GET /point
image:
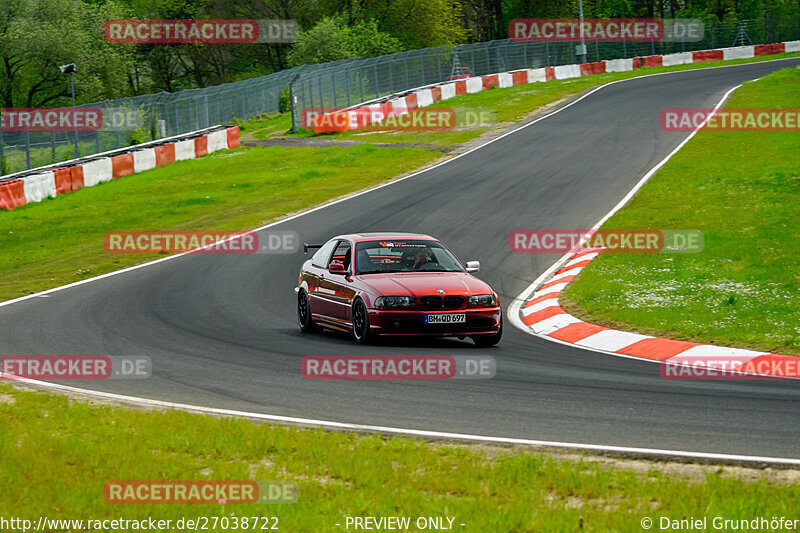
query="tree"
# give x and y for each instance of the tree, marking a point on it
(36, 36)
(419, 23)
(332, 40)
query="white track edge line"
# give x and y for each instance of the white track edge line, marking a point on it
(399, 431)
(418, 432)
(514, 308)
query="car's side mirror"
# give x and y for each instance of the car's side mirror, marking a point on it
(336, 268)
(473, 266)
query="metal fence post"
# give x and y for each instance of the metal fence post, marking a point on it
(377, 87)
(28, 146)
(293, 101)
(347, 84)
(153, 116)
(3, 168)
(116, 126)
(53, 145)
(333, 81)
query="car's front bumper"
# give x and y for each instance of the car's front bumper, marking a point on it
(480, 321)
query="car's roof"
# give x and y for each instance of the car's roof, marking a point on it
(372, 236)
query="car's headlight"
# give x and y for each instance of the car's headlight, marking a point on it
(483, 300)
(394, 301)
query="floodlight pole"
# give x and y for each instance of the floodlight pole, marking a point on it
(71, 69)
(72, 88)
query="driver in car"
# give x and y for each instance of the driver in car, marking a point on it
(423, 257)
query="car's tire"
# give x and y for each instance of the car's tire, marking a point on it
(360, 315)
(488, 340)
(304, 313)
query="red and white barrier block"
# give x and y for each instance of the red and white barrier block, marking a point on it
(360, 116)
(545, 317)
(50, 183)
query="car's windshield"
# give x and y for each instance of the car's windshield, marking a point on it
(404, 255)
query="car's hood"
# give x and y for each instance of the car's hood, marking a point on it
(425, 283)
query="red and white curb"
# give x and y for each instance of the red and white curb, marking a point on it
(53, 182)
(543, 314)
(538, 312)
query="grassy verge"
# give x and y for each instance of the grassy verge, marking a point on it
(238, 190)
(344, 474)
(741, 190)
(228, 190)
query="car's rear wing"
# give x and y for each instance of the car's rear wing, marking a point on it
(306, 246)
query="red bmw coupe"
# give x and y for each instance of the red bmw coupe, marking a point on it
(395, 284)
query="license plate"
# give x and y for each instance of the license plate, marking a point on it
(446, 318)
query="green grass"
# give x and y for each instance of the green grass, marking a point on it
(742, 190)
(227, 190)
(56, 455)
(245, 188)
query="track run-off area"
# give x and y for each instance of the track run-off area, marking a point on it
(222, 333)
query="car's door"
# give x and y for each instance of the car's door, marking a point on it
(337, 288)
(315, 275)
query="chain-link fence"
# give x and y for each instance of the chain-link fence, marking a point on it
(345, 84)
(337, 85)
(139, 119)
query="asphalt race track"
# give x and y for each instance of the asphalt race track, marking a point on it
(221, 329)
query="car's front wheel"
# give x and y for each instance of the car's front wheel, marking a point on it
(304, 313)
(360, 322)
(488, 340)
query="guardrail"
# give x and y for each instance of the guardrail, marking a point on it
(49, 182)
(86, 159)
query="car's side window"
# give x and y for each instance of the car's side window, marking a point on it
(320, 259)
(342, 254)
